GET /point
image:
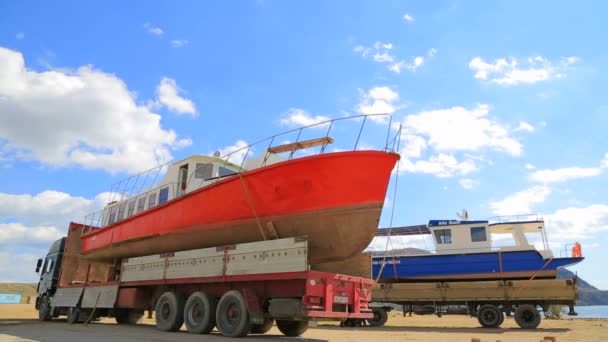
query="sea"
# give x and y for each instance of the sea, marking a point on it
(591, 311)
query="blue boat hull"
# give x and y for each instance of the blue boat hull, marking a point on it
(491, 265)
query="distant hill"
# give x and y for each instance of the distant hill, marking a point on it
(25, 289)
(587, 293)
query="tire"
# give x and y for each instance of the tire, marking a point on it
(73, 315)
(380, 317)
(526, 316)
(169, 311)
(489, 316)
(231, 316)
(199, 313)
(292, 328)
(44, 308)
(262, 328)
(127, 316)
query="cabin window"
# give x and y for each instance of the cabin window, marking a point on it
(478, 234)
(141, 203)
(49, 266)
(203, 171)
(112, 216)
(443, 236)
(152, 200)
(163, 195)
(121, 211)
(130, 208)
(225, 171)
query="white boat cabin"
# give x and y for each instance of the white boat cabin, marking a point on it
(181, 177)
(457, 237)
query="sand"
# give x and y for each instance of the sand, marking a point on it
(18, 321)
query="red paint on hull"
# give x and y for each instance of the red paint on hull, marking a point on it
(291, 193)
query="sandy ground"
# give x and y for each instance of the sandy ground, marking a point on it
(17, 323)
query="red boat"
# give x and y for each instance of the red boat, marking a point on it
(334, 199)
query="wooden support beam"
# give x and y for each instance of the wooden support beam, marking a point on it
(301, 145)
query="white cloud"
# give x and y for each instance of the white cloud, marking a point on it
(432, 52)
(297, 117)
(529, 166)
(604, 162)
(20, 35)
(521, 202)
(177, 43)
(378, 100)
(573, 223)
(19, 268)
(236, 153)
(82, 117)
(467, 183)
(564, 174)
(442, 166)
(17, 233)
(507, 71)
(524, 126)
(157, 31)
(382, 54)
(408, 17)
(459, 128)
(168, 95)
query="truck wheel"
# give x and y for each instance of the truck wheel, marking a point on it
(169, 311)
(127, 316)
(380, 317)
(292, 328)
(262, 328)
(44, 309)
(526, 316)
(199, 314)
(489, 316)
(232, 316)
(73, 315)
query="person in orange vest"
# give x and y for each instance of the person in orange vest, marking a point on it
(576, 250)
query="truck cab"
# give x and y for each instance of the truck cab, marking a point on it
(49, 269)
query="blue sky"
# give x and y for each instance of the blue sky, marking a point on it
(502, 103)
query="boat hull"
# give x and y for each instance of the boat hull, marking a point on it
(492, 265)
(334, 199)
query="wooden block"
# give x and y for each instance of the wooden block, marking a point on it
(549, 338)
(475, 340)
(301, 145)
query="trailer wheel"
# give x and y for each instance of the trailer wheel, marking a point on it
(126, 316)
(44, 309)
(292, 328)
(73, 315)
(489, 316)
(527, 317)
(199, 313)
(232, 316)
(262, 328)
(380, 317)
(169, 311)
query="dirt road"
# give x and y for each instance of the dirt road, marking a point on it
(18, 324)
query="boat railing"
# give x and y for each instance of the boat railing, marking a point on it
(515, 218)
(294, 142)
(451, 251)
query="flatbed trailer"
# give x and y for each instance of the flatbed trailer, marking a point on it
(241, 288)
(488, 301)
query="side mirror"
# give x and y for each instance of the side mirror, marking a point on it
(38, 264)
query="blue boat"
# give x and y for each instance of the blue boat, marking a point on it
(465, 250)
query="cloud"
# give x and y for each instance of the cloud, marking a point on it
(408, 17)
(17, 233)
(157, 31)
(177, 43)
(20, 35)
(524, 126)
(564, 174)
(529, 166)
(168, 95)
(459, 129)
(466, 183)
(506, 71)
(604, 163)
(296, 117)
(382, 54)
(83, 117)
(432, 52)
(570, 224)
(378, 100)
(236, 153)
(441, 165)
(521, 202)
(19, 268)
